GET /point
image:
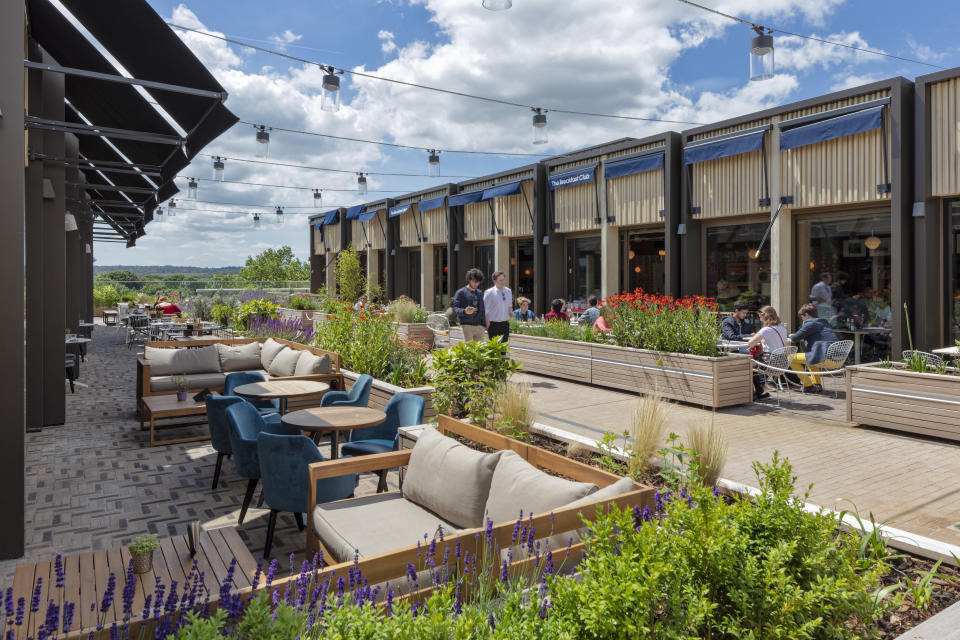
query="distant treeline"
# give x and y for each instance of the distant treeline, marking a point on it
(167, 269)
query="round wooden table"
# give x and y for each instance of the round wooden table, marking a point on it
(335, 420)
(281, 390)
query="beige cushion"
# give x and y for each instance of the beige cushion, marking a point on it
(373, 524)
(194, 381)
(519, 486)
(309, 364)
(449, 479)
(268, 351)
(561, 540)
(284, 363)
(239, 357)
(171, 362)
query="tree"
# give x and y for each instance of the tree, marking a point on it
(124, 277)
(350, 279)
(276, 265)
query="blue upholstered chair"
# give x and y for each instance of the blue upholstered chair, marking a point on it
(283, 472)
(219, 429)
(403, 410)
(246, 424)
(234, 380)
(358, 396)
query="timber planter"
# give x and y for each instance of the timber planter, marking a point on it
(381, 392)
(926, 403)
(564, 359)
(417, 331)
(297, 314)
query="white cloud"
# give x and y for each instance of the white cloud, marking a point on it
(387, 45)
(923, 52)
(802, 54)
(282, 40)
(847, 80)
(214, 53)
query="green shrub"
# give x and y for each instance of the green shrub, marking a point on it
(468, 375)
(144, 544)
(259, 307)
(304, 303)
(405, 310)
(351, 281)
(105, 296)
(222, 314)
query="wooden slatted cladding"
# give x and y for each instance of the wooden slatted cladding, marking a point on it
(840, 171)
(435, 225)
(374, 231)
(512, 213)
(409, 228)
(732, 185)
(331, 233)
(944, 143)
(317, 241)
(410, 221)
(636, 199)
(476, 221)
(575, 208)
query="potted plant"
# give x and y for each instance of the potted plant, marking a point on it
(141, 549)
(181, 382)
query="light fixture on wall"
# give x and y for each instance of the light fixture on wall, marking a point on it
(497, 5)
(263, 141)
(279, 213)
(361, 184)
(873, 242)
(813, 265)
(192, 189)
(330, 94)
(433, 163)
(256, 221)
(70, 222)
(761, 54)
(539, 126)
(218, 168)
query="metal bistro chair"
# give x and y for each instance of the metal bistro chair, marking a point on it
(138, 329)
(777, 365)
(929, 359)
(833, 366)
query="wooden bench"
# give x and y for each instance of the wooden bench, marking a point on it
(86, 576)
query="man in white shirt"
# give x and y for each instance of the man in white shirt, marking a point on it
(821, 292)
(498, 305)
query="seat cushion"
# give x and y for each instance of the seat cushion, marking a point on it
(268, 351)
(171, 362)
(284, 363)
(561, 540)
(449, 479)
(373, 524)
(519, 486)
(194, 381)
(366, 447)
(239, 357)
(309, 364)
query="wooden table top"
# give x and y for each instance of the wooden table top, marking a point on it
(281, 389)
(334, 418)
(169, 404)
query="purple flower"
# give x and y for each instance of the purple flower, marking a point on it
(504, 573)
(411, 572)
(256, 575)
(548, 567)
(543, 609)
(271, 572)
(21, 605)
(493, 623)
(389, 605)
(35, 600)
(129, 589)
(52, 622)
(8, 602)
(58, 566)
(458, 603)
(68, 608)
(227, 583)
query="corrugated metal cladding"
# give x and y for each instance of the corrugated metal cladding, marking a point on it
(374, 232)
(841, 171)
(945, 137)
(729, 186)
(575, 208)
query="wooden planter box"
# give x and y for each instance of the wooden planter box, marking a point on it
(381, 392)
(926, 403)
(418, 331)
(309, 316)
(564, 359)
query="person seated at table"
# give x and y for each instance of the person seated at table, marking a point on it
(166, 307)
(361, 303)
(523, 313)
(557, 311)
(590, 316)
(817, 336)
(735, 326)
(604, 320)
(771, 336)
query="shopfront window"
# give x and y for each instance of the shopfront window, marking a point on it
(954, 216)
(440, 274)
(415, 269)
(843, 266)
(521, 267)
(643, 261)
(583, 270)
(483, 259)
(735, 271)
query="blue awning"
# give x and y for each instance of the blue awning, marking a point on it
(318, 226)
(431, 204)
(509, 189)
(723, 148)
(366, 216)
(633, 165)
(354, 212)
(331, 217)
(465, 198)
(398, 211)
(577, 176)
(838, 127)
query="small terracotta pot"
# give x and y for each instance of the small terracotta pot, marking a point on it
(143, 563)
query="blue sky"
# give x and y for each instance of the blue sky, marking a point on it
(649, 58)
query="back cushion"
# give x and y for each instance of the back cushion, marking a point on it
(171, 362)
(309, 364)
(285, 362)
(239, 357)
(449, 479)
(269, 351)
(517, 485)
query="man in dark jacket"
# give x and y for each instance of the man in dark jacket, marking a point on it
(734, 326)
(817, 336)
(468, 305)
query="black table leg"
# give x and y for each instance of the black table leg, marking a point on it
(334, 445)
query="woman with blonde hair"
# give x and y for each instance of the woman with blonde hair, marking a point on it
(772, 336)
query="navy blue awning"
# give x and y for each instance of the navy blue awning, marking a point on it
(318, 226)
(398, 211)
(465, 198)
(354, 212)
(509, 189)
(572, 178)
(366, 216)
(633, 165)
(838, 127)
(723, 148)
(331, 217)
(431, 204)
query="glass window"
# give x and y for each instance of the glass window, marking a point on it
(954, 262)
(734, 270)
(583, 270)
(441, 298)
(483, 259)
(521, 267)
(415, 268)
(643, 261)
(843, 266)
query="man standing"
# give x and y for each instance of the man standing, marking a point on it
(498, 305)
(821, 293)
(468, 305)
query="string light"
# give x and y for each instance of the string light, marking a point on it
(279, 215)
(361, 184)
(539, 126)
(256, 221)
(172, 209)
(433, 164)
(263, 141)
(218, 168)
(290, 186)
(330, 90)
(303, 166)
(317, 199)
(192, 189)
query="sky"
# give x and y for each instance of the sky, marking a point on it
(658, 59)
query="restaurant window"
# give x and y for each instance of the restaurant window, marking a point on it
(583, 270)
(441, 298)
(415, 268)
(643, 261)
(953, 209)
(735, 271)
(521, 268)
(843, 267)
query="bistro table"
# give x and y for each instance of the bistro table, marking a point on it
(732, 346)
(81, 348)
(333, 419)
(947, 351)
(281, 390)
(858, 338)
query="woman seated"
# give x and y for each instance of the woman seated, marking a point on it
(604, 320)
(524, 314)
(557, 312)
(771, 336)
(166, 307)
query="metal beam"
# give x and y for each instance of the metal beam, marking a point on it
(149, 84)
(106, 166)
(33, 122)
(110, 187)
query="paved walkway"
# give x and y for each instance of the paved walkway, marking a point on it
(908, 482)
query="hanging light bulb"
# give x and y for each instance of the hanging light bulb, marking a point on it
(497, 5)
(662, 252)
(433, 166)
(873, 242)
(330, 95)
(218, 168)
(172, 208)
(263, 141)
(753, 254)
(158, 214)
(317, 199)
(279, 215)
(256, 221)
(761, 54)
(192, 189)
(539, 126)
(362, 184)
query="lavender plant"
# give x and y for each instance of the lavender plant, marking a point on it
(293, 329)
